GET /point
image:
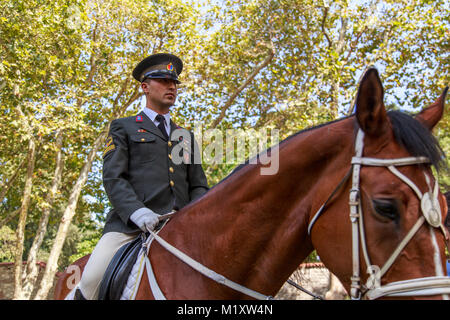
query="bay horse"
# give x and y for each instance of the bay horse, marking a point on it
(359, 190)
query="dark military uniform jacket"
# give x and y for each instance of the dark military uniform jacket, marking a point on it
(138, 171)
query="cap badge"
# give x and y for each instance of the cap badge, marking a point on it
(170, 66)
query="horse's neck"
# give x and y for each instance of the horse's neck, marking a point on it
(253, 226)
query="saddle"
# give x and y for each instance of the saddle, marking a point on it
(118, 271)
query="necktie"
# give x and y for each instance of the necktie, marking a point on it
(161, 126)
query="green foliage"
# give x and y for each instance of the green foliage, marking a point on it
(7, 244)
(442, 132)
(321, 49)
(313, 257)
(85, 246)
(66, 64)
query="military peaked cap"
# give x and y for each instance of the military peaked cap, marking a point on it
(159, 66)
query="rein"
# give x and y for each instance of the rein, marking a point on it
(200, 268)
(430, 213)
(195, 265)
(206, 271)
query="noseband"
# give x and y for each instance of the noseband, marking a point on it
(439, 284)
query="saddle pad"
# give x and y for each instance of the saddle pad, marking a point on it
(118, 271)
(132, 286)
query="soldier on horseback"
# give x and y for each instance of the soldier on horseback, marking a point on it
(140, 176)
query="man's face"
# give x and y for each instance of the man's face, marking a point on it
(161, 93)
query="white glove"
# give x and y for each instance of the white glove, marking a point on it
(145, 219)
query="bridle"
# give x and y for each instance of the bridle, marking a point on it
(438, 284)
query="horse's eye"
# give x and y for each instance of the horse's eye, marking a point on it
(386, 208)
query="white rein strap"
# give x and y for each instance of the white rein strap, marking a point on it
(204, 270)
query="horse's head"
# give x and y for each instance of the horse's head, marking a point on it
(394, 239)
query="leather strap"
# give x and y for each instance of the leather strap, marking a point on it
(156, 291)
(354, 197)
(208, 272)
(419, 287)
(389, 162)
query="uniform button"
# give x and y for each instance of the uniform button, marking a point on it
(172, 183)
(171, 169)
(142, 139)
(170, 156)
(169, 143)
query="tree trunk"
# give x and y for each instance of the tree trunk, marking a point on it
(20, 233)
(32, 271)
(52, 263)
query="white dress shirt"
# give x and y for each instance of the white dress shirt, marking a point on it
(152, 115)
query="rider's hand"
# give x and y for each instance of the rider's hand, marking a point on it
(145, 219)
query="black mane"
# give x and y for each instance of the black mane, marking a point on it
(416, 139)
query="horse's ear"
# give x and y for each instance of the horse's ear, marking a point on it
(431, 115)
(370, 110)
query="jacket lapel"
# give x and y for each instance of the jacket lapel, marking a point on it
(149, 126)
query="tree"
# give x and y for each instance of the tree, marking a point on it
(66, 73)
(293, 65)
(89, 49)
